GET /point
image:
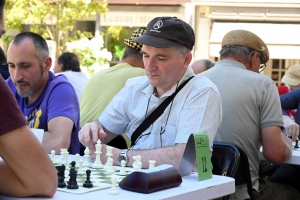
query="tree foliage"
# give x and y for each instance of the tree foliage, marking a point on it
(53, 19)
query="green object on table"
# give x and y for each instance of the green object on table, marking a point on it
(203, 156)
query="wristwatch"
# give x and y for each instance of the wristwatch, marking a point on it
(123, 156)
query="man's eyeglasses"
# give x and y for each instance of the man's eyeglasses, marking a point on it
(262, 65)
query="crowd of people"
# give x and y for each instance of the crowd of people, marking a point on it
(229, 100)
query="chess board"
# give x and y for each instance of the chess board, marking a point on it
(99, 177)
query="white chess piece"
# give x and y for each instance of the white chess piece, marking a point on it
(86, 162)
(152, 163)
(122, 171)
(97, 164)
(108, 154)
(53, 156)
(77, 157)
(113, 189)
(80, 169)
(135, 164)
(110, 167)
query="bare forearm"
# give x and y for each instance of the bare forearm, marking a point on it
(51, 142)
(288, 144)
(164, 155)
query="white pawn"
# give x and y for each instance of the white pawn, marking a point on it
(86, 162)
(152, 163)
(80, 169)
(110, 167)
(77, 157)
(113, 189)
(53, 156)
(122, 171)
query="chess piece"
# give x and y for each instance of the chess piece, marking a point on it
(80, 169)
(97, 164)
(113, 189)
(86, 162)
(296, 145)
(122, 171)
(53, 157)
(88, 183)
(108, 154)
(77, 157)
(135, 164)
(72, 183)
(152, 163)
(61, 176)
(110, 166)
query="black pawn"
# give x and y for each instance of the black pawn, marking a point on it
(72, 183)
(296, 145)
(61, 176)
(88, 183)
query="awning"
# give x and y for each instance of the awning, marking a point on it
(283, 40)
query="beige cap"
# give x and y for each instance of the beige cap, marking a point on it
(246, 39)
(292, 76)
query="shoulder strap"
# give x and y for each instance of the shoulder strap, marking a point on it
(155, 114)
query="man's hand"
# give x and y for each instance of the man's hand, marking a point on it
(90, 133)
(292, 128)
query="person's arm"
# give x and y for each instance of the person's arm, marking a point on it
(58, 135)
(27, 170)
(276, 146)
(292, 128)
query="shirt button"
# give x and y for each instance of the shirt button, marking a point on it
(145, 147)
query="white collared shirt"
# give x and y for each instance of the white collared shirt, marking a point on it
(196, 108)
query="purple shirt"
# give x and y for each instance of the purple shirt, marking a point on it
(57, 99)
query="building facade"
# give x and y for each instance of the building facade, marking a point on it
(277, 22)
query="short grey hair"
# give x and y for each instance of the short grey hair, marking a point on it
(243, 52)
(39, 42)
(182, 50)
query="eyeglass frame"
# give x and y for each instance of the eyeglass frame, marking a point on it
(262, 66)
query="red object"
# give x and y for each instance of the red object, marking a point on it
(282, 89)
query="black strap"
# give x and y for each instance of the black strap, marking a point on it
(155, 114)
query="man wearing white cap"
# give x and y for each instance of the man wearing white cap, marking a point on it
(167, 45)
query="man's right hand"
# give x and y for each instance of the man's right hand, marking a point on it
(90, 133)
(292, 128)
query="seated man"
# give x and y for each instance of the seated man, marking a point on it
(251, 110)
(196, 107)
(68, 64)
(47, 101)
(25, 168)
(97, 93)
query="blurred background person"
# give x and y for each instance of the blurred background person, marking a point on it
(202, 65)
(3, 65)
(68, 64)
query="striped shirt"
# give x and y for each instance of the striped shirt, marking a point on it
(196, 108)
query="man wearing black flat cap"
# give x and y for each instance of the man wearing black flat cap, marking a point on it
(167, 44)
(251, 110)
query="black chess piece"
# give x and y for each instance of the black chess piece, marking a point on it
(296, 145)
(72, 183)
(88, 183)
(61, 176)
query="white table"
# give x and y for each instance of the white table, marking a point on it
(294, 159)
(189, 189)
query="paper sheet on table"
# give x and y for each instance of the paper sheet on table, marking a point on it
(39, 133)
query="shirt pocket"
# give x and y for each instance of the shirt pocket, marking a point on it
(167, 135)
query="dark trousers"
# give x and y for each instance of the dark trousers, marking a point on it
(287, 174)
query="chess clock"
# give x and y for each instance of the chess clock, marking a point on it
(123, 156)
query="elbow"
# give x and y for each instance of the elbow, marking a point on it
(277, 158)
(49, 187)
